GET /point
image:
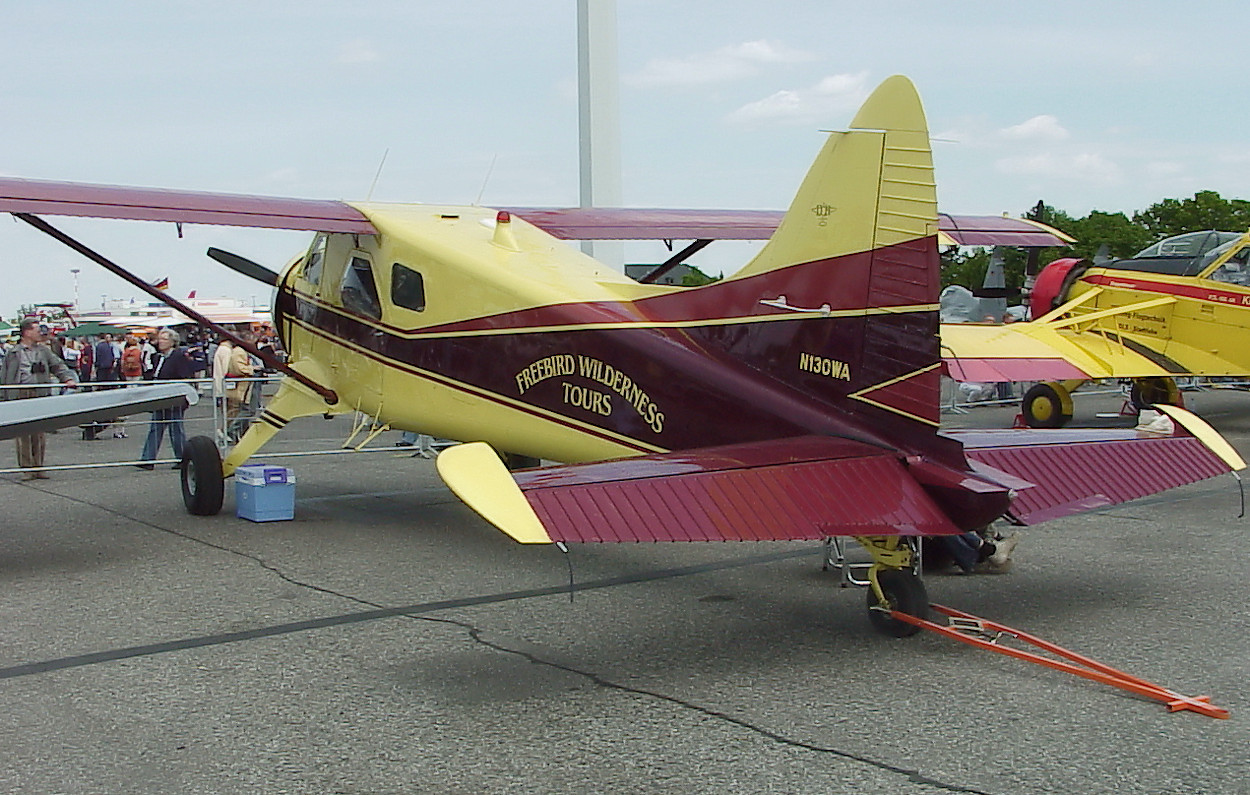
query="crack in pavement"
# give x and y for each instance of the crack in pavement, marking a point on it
(476, 634)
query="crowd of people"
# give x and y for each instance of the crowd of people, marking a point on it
(37, 358)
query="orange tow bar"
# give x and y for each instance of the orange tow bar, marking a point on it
(966, 628)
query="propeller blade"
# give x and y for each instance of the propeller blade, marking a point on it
(244, 266)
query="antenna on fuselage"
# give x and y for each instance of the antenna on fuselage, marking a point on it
(378, 175)
(486, 181)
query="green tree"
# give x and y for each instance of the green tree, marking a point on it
(696, 278)
(1123, 237)
(1206, 210)
(965, 267)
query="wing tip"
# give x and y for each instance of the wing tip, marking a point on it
(475, 474)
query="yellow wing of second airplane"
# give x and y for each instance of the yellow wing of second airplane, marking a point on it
(1039, 351)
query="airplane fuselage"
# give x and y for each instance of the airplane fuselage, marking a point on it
(512, 337)
(1204, 327)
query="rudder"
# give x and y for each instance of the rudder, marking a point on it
(860, 240)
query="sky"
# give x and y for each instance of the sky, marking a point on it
(722, 103)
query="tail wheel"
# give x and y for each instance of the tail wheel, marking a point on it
(904, 592)
(1043, 407)
(1147, 392)
(203, 486)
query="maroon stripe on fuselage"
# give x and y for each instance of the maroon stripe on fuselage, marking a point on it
(669, 388)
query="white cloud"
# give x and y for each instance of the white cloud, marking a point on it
(1085, 167)
(357, 51)
(1164, 168)
(717, 66)
(1038, 128)
(816, 104)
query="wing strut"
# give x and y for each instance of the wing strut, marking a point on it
(674, 261)
(327, 394)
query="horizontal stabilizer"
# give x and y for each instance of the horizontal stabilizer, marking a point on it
(35, 415)
(781, 490)
(1084, 470)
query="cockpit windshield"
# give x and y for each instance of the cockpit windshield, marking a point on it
(1182, 255)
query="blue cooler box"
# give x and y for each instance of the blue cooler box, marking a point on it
(264, 493)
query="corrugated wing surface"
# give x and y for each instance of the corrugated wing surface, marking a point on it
(1083, 475)
(651, 499)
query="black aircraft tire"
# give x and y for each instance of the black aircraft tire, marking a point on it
(1042, 407)
(1147, 392)
(906, 593)
(203, 486)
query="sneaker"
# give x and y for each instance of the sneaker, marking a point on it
(41, 475)
(992, 567)
(145, 466)
(1004, 548)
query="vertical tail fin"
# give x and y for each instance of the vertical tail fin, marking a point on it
(869, 188)
(859, 245)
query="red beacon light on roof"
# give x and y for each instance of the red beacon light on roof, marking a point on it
(503, 231)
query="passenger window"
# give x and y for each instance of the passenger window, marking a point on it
(315, 261)
(407, 288)
(358, 291)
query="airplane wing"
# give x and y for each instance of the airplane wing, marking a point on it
(34, 415)
(620, 223)
(40, 197)
(787, 489)
(1037, 351)
(1071, 471)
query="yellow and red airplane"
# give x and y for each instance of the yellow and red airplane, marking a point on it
(1179, 308)
(795, 399)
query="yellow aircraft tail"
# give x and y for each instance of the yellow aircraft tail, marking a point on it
(869, 187)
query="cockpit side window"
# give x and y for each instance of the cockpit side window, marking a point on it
(407, 288)
(358, 291)
(1235, 271)
(315, 261)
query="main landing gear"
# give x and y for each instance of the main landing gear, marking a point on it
(203, 485)
(1147, 392)
(1048, 404)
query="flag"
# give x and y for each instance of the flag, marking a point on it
(162, 284)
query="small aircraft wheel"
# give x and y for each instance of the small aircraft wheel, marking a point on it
(1147, 392)
(906, 593)
(203, 486)
(1043, 408)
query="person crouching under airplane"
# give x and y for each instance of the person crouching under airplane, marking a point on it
(30, 362)
(171, 362)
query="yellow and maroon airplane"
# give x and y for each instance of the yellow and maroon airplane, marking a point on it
(1178, 308)
(795, 399)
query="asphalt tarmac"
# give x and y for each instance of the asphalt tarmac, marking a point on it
(388, 641)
